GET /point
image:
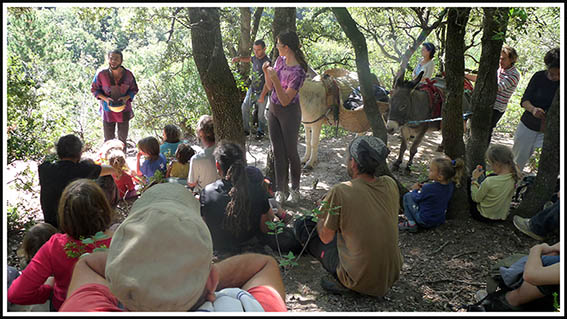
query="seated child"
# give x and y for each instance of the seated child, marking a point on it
(171, 135)
(154, 160)
(34, 238)
(179, 167)
(490, 198)
(425, 205)
(123, 179)
(83, 211)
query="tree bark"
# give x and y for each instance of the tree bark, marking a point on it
(255, 26)
(215, 74)
(548, 169)
(358, 41)
(284, 19)
(244, 44)
(363, 69)
(452, 111)
(486, 86)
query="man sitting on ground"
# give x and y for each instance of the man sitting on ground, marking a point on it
(356, 238)
(55, 176)
(160, 259)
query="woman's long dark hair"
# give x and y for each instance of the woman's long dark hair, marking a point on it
(230, 157)
(291, 39)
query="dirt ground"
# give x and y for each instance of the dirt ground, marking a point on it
(443, 267)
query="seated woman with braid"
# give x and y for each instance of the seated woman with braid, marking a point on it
(236, 207)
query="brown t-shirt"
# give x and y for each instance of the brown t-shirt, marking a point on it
(367, 233)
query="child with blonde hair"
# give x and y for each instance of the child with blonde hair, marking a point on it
(179, 167)
(426, 204)
(122, 179)
(491, 196)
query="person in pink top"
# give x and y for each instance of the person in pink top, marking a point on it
(83, 212)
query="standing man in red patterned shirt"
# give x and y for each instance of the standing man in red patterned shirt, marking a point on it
(115, 87)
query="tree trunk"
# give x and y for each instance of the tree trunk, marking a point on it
(244, 44)
(284, 19)
(486, 86)
(370, 108)
(452, 111)
(255, 26)
(363, 68)
(548, 169)
(215, 74)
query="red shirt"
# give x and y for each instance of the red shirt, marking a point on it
(124, 183)
(98, 298)
(50, 260)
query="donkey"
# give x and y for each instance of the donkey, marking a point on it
(410, 105)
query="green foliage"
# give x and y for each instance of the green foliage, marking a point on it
(76, 250)
(18, 219)
(556, 305)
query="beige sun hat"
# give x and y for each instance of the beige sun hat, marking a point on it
(161, 255)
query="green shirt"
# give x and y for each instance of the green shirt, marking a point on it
(494, 195)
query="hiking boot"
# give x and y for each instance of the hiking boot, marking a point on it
(523, 225)
(280, 197)
(294, 196)
(406, 226)
(333, 286)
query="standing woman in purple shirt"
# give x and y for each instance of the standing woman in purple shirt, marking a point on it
(285, 79)
(115, 87)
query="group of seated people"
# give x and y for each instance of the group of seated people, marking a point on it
(160, 258)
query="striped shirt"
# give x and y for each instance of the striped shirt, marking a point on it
(507, 82)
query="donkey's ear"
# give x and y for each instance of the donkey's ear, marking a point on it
(417, 80)
(398, 81)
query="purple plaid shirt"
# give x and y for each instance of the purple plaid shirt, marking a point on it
(127, 86)
(290, 77)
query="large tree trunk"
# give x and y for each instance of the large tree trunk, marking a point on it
(486, 87)
(245, 43)
(370, 108)
(548, 169)
(452, 111)
(215, 74)
(284, 19)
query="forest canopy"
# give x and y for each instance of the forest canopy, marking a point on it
(53, 54)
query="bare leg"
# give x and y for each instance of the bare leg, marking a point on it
(526, 293)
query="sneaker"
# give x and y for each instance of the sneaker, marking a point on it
(259, 136)
(406, 226)
(523, 225)
(294, 196)
(333, 286)
(280, 197)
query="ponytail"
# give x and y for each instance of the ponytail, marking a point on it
(230, 158)
(238, 209)
(459, 168)
(291, 39)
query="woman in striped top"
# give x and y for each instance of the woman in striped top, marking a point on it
(508, 78)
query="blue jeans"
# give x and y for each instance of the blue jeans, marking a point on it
(546, 221)
(411, 210)
(251, 98)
